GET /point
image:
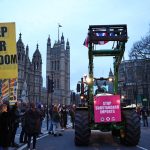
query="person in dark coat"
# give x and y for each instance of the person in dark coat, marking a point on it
(23, 135)
(72, 114)
(42, 114)
(64, 116)
(56, 121)
(144, 113)
(32, 124)
(51, 122)
(15, 116)
(138, 110)
(4, 128)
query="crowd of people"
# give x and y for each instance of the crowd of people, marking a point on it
(9, 122)
(58, 118)
(30, 117)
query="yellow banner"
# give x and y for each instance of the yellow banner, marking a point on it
(8, 53)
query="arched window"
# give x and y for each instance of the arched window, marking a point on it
(52, 65)
(37, 66)
(18, 56)
(58, 83)
(22, 57)
(57, 65)
(55, 86)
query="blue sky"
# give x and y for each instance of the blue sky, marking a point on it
(37, 19)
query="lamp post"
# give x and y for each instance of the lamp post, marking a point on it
(135, 81)
(47, 99)
(145, 89)
(135, 92)
(52, 89)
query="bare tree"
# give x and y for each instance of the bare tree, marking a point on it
(141, 49)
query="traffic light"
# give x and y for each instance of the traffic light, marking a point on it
(82, 87)
(50, 86)
(78, 87)
(73, 96)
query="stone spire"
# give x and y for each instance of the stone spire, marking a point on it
(67, 45)
(49, 42)
(110, 73)
(62, 39)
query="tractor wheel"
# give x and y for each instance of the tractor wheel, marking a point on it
(130, 134)
(82, 129)
(115, 133)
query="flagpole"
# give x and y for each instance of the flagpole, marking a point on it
(58, 33)
(58, 30)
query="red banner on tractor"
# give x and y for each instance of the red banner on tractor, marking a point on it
(107, 108)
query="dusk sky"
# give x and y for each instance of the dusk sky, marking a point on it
(37, 19)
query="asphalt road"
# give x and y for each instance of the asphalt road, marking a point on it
(98, 141)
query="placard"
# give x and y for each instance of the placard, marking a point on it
(107, 108)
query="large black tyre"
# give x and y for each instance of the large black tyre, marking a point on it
(130, 135)
(115, 133)
(82, 129)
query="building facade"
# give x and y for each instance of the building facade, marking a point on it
(29, 74)
(58, 69)
(134, 81)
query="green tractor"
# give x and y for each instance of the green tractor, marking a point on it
(102, 110)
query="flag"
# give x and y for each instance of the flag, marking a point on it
(103, 34)
(86, 42)
(59, 25)
(100, 35)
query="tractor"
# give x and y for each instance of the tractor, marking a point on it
(103, 110)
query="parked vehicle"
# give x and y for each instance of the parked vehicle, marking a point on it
(103, 110)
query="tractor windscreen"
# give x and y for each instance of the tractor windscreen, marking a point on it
(103, 86)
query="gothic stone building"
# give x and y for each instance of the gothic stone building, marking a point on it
(29, 74)
(134, 81)
(58, 68)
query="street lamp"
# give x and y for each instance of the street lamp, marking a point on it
(50, 89)
(110, 79)
(88, 80)
(122, 96)
(82, 97)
